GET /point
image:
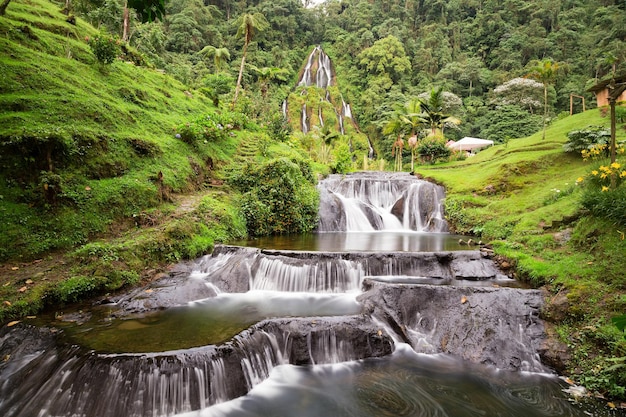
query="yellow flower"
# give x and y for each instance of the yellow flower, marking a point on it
(605, 188)
(623, 174)
(581, 179)
(616, 165)
(605, 169)
(594, 173)
(621, 150)
(603, 175)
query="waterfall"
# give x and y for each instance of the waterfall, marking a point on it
(261, 355)
(341, 127)
(305, 80)
(308, 308)
(322, 72)
(328, 272)
(380, 201)
(326, 347)
(284, 109)
(346, 110)
(320, 116)
(324, 75)
(296, 275)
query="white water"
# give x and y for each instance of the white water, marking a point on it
(382, 201)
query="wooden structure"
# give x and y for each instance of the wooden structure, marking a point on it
(614, 90)
(603, 89)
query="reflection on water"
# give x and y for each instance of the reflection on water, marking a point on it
(210, 321)
(377, 241)
(404, 384)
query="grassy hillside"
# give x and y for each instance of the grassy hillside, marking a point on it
(97, 163)
(108, 173)
(82, 143)
(523, 197)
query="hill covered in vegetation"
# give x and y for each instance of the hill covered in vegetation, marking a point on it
(112, 170)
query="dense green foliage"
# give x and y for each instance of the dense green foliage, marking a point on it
(279, 196)
(390, 52)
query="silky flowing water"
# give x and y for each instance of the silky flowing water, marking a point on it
(295, 326)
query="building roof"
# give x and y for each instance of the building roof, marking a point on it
(621, 78)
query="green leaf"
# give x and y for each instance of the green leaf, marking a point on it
(620, 322)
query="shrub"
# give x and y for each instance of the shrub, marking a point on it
(279, 128)
(104, 47)
(211, 127)
(432, 150)
(507, 121)
(342, 159)
(280, 197)
(608, 204)
(76, 288)
(586, 139)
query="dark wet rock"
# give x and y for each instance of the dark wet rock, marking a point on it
(79, 317)
(557, 308)
(22, 341)
(497, 326)
(62, 377)
(553, 352)
(167, 292)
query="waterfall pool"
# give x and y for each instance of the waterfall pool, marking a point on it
(372, 241)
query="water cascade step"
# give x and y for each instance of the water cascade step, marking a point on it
(380, 201)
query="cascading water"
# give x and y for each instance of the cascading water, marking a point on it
(442, 325)
(374, 201)
(318, 72)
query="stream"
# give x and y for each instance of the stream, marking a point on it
(381, 313)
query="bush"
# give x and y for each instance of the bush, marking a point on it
(608, 204)
(342, 159)
(586, 139)
(508, 121)
(432, 150)
(279, 128)
(76, 288)
(104, 47)
(211, 127)
(280, 197)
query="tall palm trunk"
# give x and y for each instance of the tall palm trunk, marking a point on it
(125, 22)
(239, 78)
(545, 109)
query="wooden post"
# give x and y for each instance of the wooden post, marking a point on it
(571, 103)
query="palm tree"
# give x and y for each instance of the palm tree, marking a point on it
(267, 75)
(545, 72)
(248, 24)
(406, 119)
(433, 111)
(220, 55)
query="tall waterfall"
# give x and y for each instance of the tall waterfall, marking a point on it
(380, 201)
(319, 70)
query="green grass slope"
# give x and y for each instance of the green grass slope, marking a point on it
(96, 189)
(82, 144)
(523, 197)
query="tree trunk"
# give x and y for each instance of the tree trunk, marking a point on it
(243, 63)
(545, 109)
(126, 23)
(3, 7)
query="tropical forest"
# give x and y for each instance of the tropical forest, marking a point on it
(142, 140)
